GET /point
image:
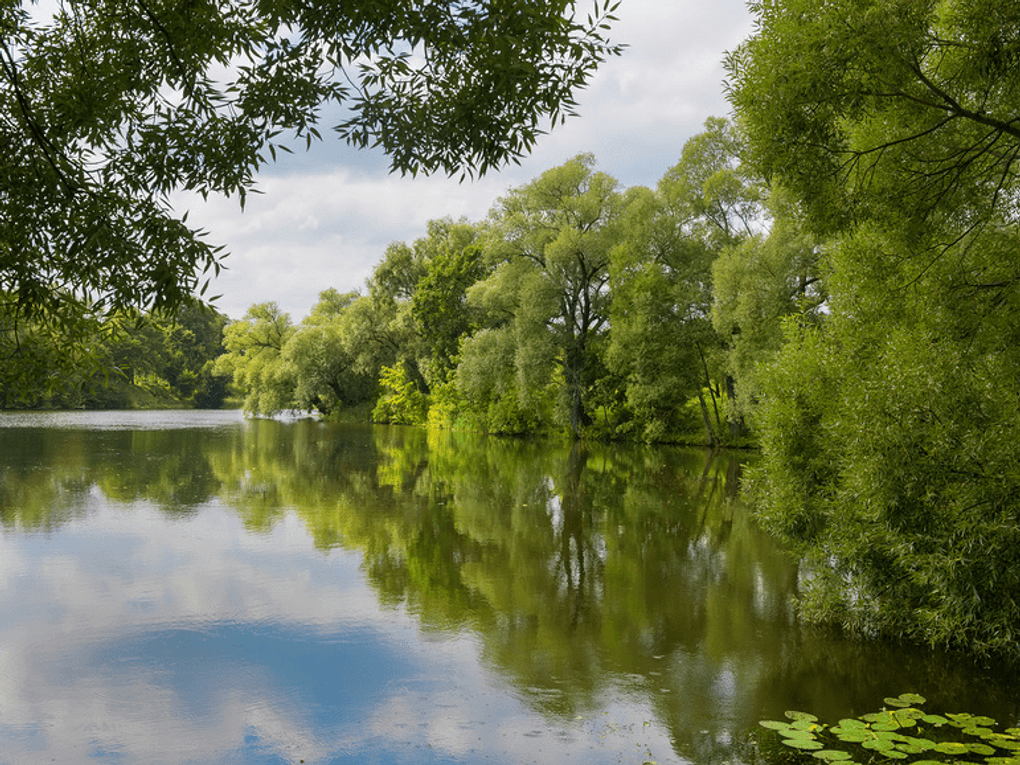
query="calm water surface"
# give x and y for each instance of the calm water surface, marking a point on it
(190, 587)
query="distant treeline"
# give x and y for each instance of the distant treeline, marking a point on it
(130, 361)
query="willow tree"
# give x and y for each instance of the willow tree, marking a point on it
(889, 433)
(110, 107)
(550, 246)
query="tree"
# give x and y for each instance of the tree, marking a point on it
(663, 344)
(453, 261)
(551, 244)
(756, 284)
(254, 359)
(889, 428)
(110, 107)
(326, 376)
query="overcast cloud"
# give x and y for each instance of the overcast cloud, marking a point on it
(324, 218)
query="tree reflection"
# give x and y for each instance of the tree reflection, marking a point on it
(586, 572)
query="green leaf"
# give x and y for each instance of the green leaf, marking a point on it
(831, 755)
(803, 743)
(793, 715)
(951, 747)
(774, 724)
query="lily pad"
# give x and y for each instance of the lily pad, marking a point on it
(805, 725)
(803, 743)
(951, 747)
(935, 720)
(880, 744)
(851, 722)
(774, 724)
(982, 749)
(853, 736)
(979, 732)
(910, 713)
(793, 715)
(924, 744)
(831, 755)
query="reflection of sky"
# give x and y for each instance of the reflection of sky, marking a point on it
(131, 638)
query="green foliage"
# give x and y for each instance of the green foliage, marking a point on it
(756, 284)
(902, 734)
(909, 103)
(888, 420)
(132, 361)
(400, 402)
(550, 244)
(113, 108)
(663, 346)
(254, 347)
(890, 455)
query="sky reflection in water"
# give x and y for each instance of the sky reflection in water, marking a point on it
(272, 593)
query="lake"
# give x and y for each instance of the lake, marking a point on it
(192, 587)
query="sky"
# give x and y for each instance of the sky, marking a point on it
(324, 218)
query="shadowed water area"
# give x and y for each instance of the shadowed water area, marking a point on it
(190, 587)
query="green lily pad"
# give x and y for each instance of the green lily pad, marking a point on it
(910, 749)
(913, 698)
(886, 726)
(806, 725)
(793, 715)
(951, 747)
(1002, 760)
(895, 701)
(880, 744)
(794, 733)
(851, 722)
(983, 749)
(924, 744)
(910, 713)
(934, 720)
(831, 755)
(894, 754)
(979, 732)
(1013, 731)
(803, 743)
(774, 724)
(853, 736)
(1008, 743)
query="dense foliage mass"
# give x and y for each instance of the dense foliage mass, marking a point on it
(889, 427)
(576, 306)
(134, 361)
(110, 106)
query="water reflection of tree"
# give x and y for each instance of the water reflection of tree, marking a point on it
(47, 475)
(587, 572)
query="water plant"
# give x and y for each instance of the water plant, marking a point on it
(899, 732)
